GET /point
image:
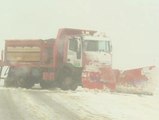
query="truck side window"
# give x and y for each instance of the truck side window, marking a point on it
(73, 45)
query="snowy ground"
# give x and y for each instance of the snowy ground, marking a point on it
(82, 104)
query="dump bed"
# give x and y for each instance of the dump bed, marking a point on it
(27, 51)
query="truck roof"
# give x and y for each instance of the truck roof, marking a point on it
(99, 38)
(70, 31)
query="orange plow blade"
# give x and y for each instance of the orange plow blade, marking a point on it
(104, 78)
(138, 81)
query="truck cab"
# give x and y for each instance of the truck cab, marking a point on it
(88, 49)
(83, 53)
(97, 62)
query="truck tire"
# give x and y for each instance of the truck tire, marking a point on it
(45, 84)
(67, 77)
(9, 82)
(74, 86)
(66, 83)
(23, 82)
(64, 76)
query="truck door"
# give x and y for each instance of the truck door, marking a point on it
(74, 55)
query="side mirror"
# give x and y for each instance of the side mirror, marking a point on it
(79, 54)
(1, 62)
(1, 59)
(111, 48)
(78, 49)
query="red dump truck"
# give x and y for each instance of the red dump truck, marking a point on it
(75, 57)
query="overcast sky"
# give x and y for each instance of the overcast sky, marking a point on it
(133, 25)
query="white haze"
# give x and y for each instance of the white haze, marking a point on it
(131, 24)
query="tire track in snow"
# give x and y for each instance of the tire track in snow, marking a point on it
(78, 106)
(19, 104)
(57, 110)
(8, 108)
(63, 108)
(44, 105)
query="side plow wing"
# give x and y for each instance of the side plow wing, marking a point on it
(138, 81)
(135, 81)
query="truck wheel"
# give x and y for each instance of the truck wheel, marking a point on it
(20, 82)
(65, 77)
(66, 83)
(9, 82)
(74, 86)
(45, 84)
(28, 84)
(24, 83)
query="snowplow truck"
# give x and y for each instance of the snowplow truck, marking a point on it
(76, 57)
(56, 62)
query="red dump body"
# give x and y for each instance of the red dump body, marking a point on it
(27, 52)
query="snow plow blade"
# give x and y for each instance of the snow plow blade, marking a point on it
(104, 78)
(134, 81)
(137, 81)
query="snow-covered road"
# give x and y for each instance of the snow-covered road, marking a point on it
(82, 104)
(23, 104)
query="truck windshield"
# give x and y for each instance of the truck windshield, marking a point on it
(92, 45)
